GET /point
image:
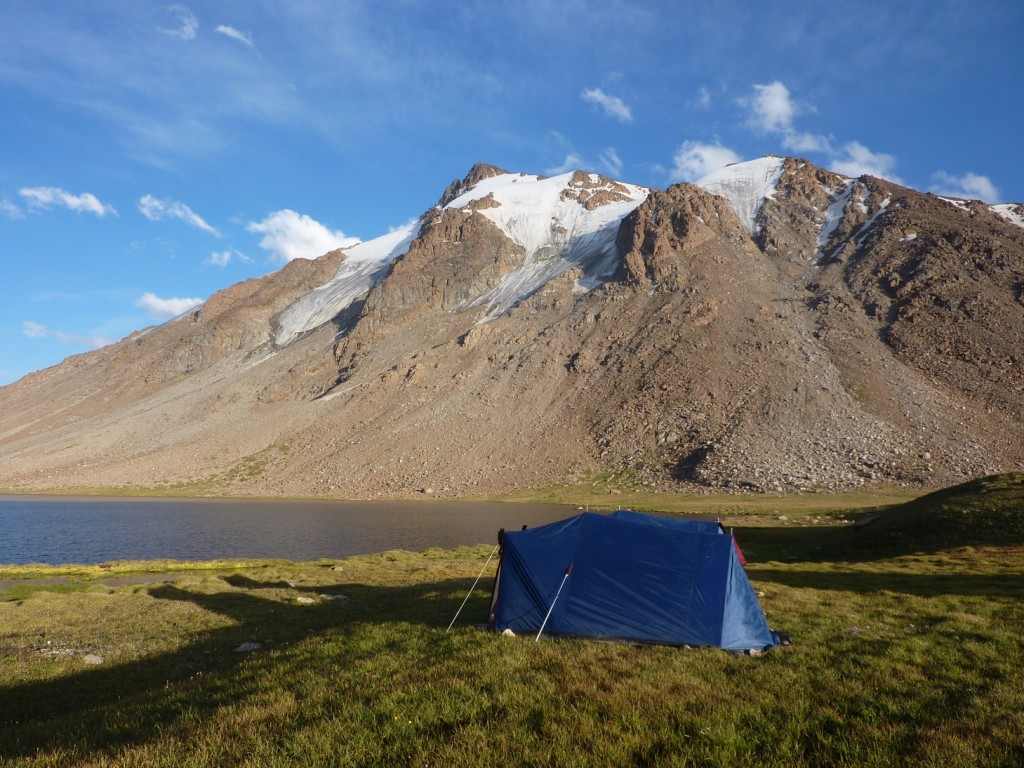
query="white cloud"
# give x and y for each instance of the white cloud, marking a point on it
(155, 210)
(47, 197)
(971, 186)
(235, 34)
(771, 108)
(289, 235)
(40, 331)
(188, 24)
(773, 111)
(164, 309)
(695, 159)
(612, 105)
(611, 161)
(10, 210)
(857, 160)
(703, 100)
(796, 141)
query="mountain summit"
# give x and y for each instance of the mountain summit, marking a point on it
(774, 326)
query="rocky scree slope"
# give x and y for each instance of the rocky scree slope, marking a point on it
(773, 327)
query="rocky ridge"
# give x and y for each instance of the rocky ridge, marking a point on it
(773, 327)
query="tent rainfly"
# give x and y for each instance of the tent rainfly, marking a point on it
(629, 577)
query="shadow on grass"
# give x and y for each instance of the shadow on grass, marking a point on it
(244, 582)
(848, 543)
(922, 585)
(105, 709)
(986, 512)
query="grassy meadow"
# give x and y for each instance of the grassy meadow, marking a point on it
(906, 650)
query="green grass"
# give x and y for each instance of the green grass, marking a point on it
(903, 654)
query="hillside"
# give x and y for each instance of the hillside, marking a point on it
(773, 327)
(987, 512)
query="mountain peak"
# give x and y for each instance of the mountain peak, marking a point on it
(476, 174)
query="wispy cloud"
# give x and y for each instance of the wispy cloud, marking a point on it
(188, 24)
(971, 186)
(235, 34)
(289, 235)
(572, 162)
(48, 197)
(156, 210)
(164, 309)
(10, 210)
(695, 159)
(612, 105)
(703, 100)
(223, 258)
(39, 331)
(611, 161)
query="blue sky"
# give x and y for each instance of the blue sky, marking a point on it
(153, 153)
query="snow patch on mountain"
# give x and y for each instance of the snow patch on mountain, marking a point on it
(561, 222)
(746, 186)
(833, 217)
(364, 266)
(1012, 212)
(961, 204)
(865, 228)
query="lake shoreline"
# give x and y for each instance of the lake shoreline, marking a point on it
(91, 530)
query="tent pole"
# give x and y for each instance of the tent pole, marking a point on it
(545, 622)
(474, 586)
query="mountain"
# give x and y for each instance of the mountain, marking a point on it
(774, 326)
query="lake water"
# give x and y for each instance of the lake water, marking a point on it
(59, 530)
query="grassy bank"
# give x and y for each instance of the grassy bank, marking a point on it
(739, 509)
(902, 655)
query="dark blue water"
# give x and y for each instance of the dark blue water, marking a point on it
(58, 530)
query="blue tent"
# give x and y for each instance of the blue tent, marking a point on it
(629, 577)
(679, 524)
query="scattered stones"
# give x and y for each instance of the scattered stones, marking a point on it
(92, 658)
(304, 600)
(248, 647)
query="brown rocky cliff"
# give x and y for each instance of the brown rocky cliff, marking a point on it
(680, 234)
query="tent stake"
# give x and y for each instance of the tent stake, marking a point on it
(545, 622)
(474, 586)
